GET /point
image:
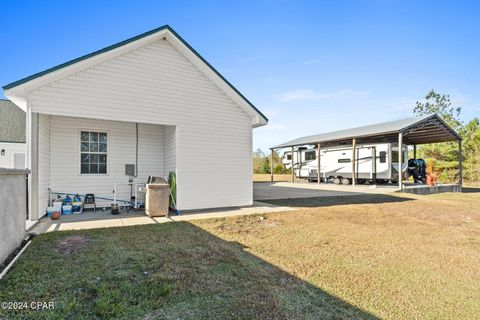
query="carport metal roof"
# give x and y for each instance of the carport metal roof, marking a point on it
(419, 130)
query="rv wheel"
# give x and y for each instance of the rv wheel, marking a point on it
(345, 181)
(337, 181)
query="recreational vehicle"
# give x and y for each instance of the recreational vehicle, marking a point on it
(374, 163)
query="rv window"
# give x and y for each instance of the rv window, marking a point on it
(343, 160)
(383, 157)
(394, 156)
(289, 157)
(310, 155)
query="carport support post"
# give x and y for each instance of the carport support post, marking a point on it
(293, 170)
(400, 160)
(414, 151)
(460, 164)
(354, 160)
(271, 166)
(318, 164)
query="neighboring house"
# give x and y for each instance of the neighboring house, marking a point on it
(12, 136)
(150, 100)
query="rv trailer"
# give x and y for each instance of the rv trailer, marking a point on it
(377, 163)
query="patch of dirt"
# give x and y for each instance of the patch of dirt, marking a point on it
(71, 244)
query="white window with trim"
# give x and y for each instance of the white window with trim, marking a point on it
(93, 152)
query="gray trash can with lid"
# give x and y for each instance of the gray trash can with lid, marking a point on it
(157, 198)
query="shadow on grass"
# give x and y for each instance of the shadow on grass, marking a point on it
(312, 202)
(173, 271)
(470, 190)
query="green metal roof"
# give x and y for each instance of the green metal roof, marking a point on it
(12, 122)
(122, 43)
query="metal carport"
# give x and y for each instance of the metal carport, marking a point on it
(412, 131)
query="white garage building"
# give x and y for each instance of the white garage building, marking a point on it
(151, 101)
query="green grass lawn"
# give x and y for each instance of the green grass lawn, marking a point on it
(413, 259)
(167, 271)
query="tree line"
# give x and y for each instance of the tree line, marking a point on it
(261, 163)
(442, 158)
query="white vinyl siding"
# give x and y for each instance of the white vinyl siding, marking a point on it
(43, 163)
(66, 177)
(170, 149)
(151, 151)
(156, 84)
(216, 168)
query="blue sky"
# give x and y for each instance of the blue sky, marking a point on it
(310, 66)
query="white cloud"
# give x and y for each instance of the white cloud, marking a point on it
(310, 95)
